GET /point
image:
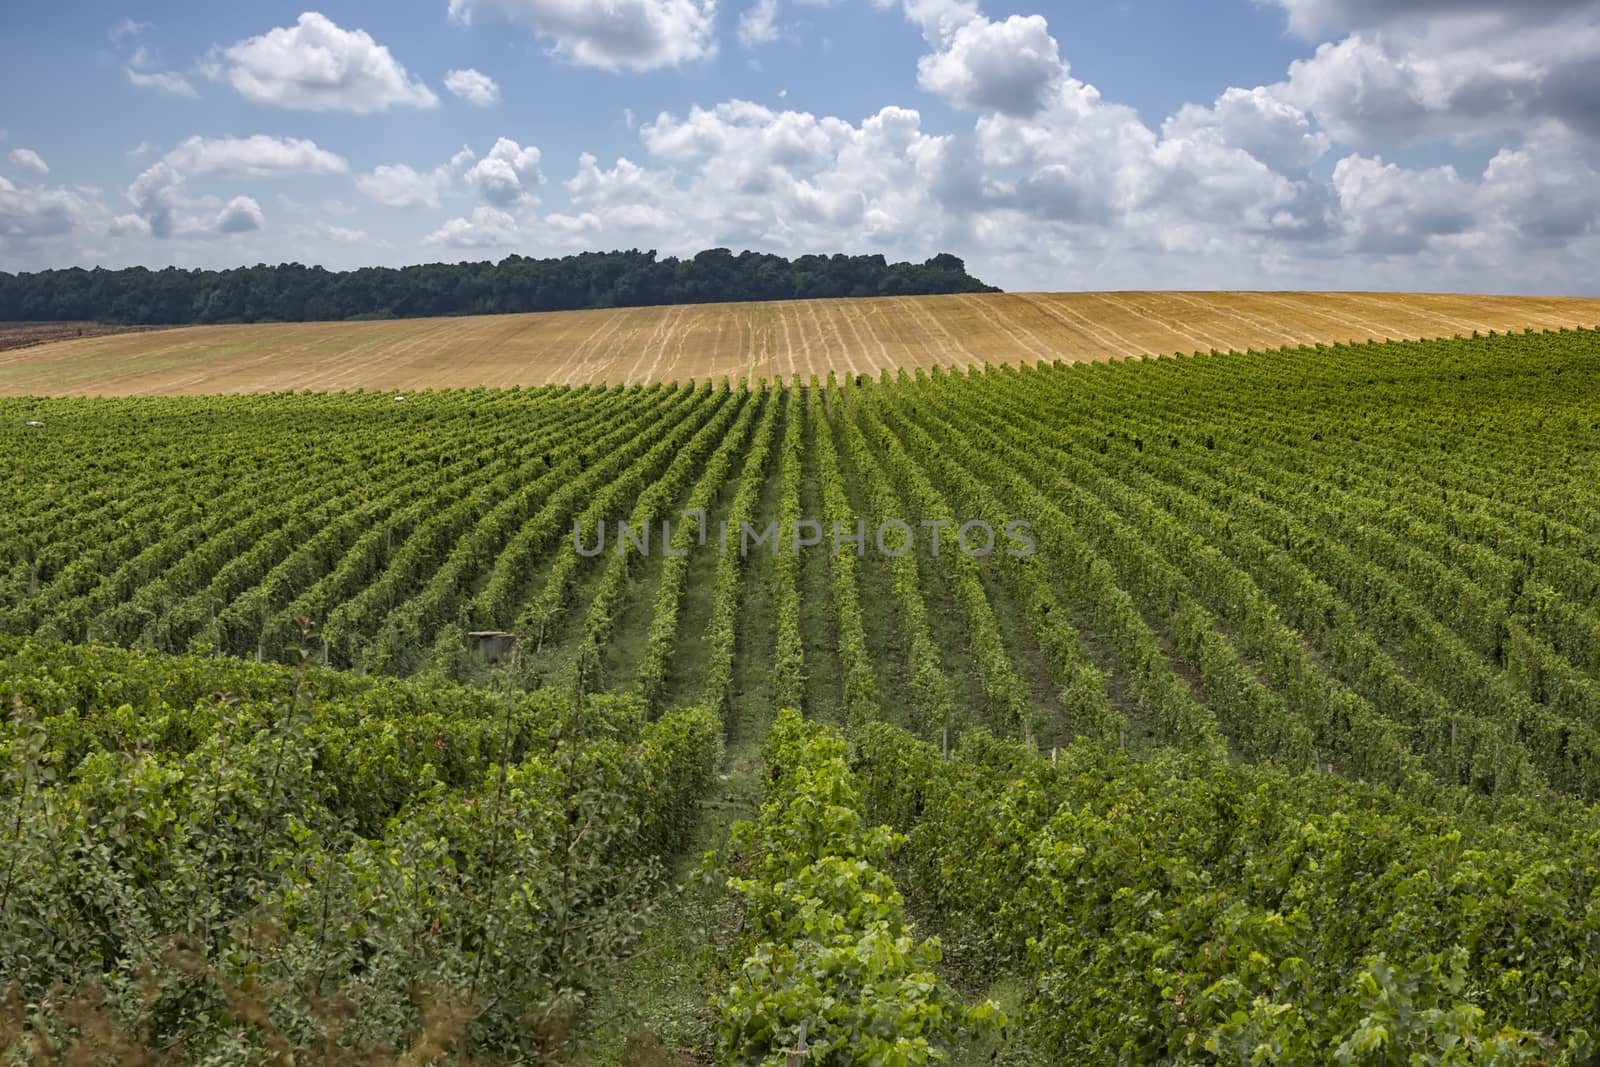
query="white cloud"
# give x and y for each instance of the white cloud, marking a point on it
(1392, 209)
(400, 186)
(342, 234)
(758, 23)
(241, 215)
(1255, 120)
(742, 174)
(1007, 66)
(1312, 17)
(939, 20)
(487, 228)
(739, 130)
(315, 65)
(129, 226)
(1544, 192)
(137, 69)
(1047, 185)
(1081, 192)
(475, 87)
(128, 29)
(160, 197)
(29, 160)
(502, 176)
(32, 214)
(1466, 73)
(156, 196)
(614, 34)
(162, 81)
(253, 157)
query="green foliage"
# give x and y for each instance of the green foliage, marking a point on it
(1177, 910)
(301, 860)
(831, 965)
(1342, 600)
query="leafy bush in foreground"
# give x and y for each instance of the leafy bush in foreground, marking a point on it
(217, 894)
(1182, 911)
(831, 965)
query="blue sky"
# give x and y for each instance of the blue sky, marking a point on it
(1397, 144)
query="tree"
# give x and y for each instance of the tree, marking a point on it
(293, 292)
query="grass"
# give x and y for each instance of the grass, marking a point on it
(653, 1013)
(654, 1010)
(819, 630)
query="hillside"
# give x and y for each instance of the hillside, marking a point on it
(1285, 693)
(778, 339)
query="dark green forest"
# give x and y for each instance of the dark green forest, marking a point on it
(292, 292)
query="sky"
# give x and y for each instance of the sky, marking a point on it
(1230, 144)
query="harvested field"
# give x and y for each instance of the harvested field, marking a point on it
(28, 334)
(748, 340)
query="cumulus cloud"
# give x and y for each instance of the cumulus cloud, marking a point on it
(744, 174)
(739, 130)
(1055, 183)
(1312, 17)
(614, 35)
(485, 228)
(399, 186)
(31, 214)
(342, 234)
(253, 157)
(758, 24)
(1007, 66)
(157, 195)
(129, 226)
(160, 197)
(1467, 72)
(502, 176)
(475, 87)
(1387, 208)
(939, 20)
(315, 65)
(29, 160)
(1047, 184)
(1256, 121)
(1543, 192)
(241, 215)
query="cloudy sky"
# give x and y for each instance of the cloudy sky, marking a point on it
(1399, 144)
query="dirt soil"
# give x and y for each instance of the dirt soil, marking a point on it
(27, 334)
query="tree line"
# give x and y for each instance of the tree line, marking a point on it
(292, 292)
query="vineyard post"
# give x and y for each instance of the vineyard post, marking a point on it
(797, 1056)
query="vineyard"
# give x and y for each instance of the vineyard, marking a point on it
(1224, 708)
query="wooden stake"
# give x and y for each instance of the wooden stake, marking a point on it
(797, 1055)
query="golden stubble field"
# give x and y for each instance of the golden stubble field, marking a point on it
(803, 337)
